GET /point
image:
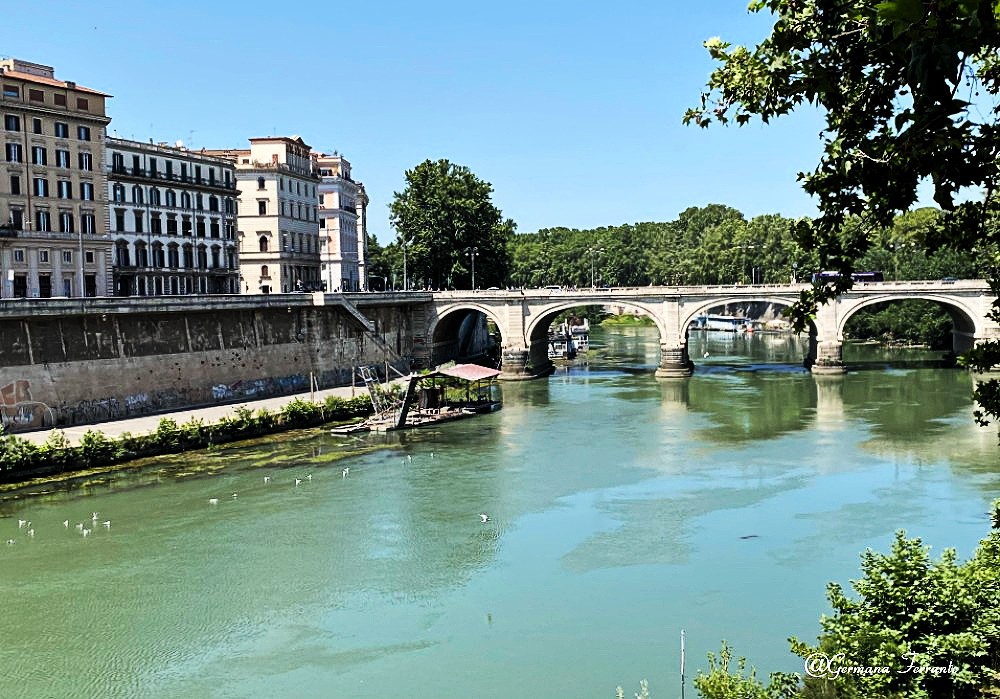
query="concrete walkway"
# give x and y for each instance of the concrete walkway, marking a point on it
(211, 414)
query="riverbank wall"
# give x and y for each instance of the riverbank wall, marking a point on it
(82, 361)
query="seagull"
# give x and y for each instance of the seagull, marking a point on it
(706, 355)
(297, 481)
(79, 526)
(267, 479)
(31, 532)
(213, 501)
(86, 532)
(94, 516)
(21, 523)
(235, 496)
(484, 518)
(107, 525)
(66, 523)
(11, 542)
(309, 477)
(346, 472)
(409, 458)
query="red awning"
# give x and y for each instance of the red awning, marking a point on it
(469, 372)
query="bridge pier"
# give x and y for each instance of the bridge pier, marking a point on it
(828, 359)
(674, 362)
(521, 364)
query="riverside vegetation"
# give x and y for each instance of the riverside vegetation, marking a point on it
(21, 459)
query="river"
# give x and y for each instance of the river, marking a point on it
(621, 509)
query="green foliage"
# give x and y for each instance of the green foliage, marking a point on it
(906, 88)
(912, 322)
(722, 683)
(643, 692)
(19, 457)
(444, 211)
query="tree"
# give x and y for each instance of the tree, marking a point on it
(446, 221)
(905, 87)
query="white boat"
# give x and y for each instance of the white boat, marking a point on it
(726, 323)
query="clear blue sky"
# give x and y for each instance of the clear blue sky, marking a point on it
(571, 110)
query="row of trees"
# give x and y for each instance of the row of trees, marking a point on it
(448, 229)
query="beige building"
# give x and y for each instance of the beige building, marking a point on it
(173, 220)
(53, 221)
(278, 221)
(342, 219)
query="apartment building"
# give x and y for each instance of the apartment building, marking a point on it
(53, 221)
(342, 224)
(278, 222)
(172, 220)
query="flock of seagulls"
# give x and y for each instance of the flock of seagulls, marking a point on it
(25, 526)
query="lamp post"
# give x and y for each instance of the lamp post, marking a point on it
(594, 252)
(472, 252)
(743, 258)
(404, 243)
(795, 268)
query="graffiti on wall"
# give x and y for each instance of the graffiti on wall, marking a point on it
(131, 405)
(258, 388)
(19, 412)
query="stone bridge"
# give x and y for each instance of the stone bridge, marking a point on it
(523, 318)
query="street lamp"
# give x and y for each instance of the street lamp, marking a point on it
(472, 252)
(743, 257)
(594, 252)
(403, 242)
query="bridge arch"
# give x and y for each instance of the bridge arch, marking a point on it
(967, 324)
(537, 329)
(444, 328)
(688, 315)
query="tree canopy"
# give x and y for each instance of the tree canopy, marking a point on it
(447, 222)
(908, 90)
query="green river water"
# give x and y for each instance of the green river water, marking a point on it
(622, 509)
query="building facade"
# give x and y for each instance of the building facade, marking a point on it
(278, 219)
(172, 219)
(53, 205)
(342, 225)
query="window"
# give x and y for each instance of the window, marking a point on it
(59, 99)
(152, 167)
(154, 196)
(197, 174)
(16, 218)
(213, 228)
(40, 186)
(86, 161)
(137, 194)
(87, 191)
(88, 224)
(43, 222)
(264, 272)
(138, 221)
(260, 183)
(62, 130)
(39, 156)
(199, 202)
(62, 158)
(118, 192)
(120, 220)
(36, 126)
(262, 207)
(322, 199)
(65, 189)
(82, 103)
(170, 169)
(43, 256)
(136, 165)
(201, 227)
(185, 200)
(15, 184)
(263, 243)
(14, 153)
(19, 256)
(36, 95)
(213, 203)
(65, 222)
(67, 256)
(67, 286)
(83, 133)
(11, 91)
(155, 224)
(117, 163)
(184, 172)
(89, 257)
(171, 198)
(171, 225)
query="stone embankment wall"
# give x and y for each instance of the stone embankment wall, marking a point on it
(92, 363)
